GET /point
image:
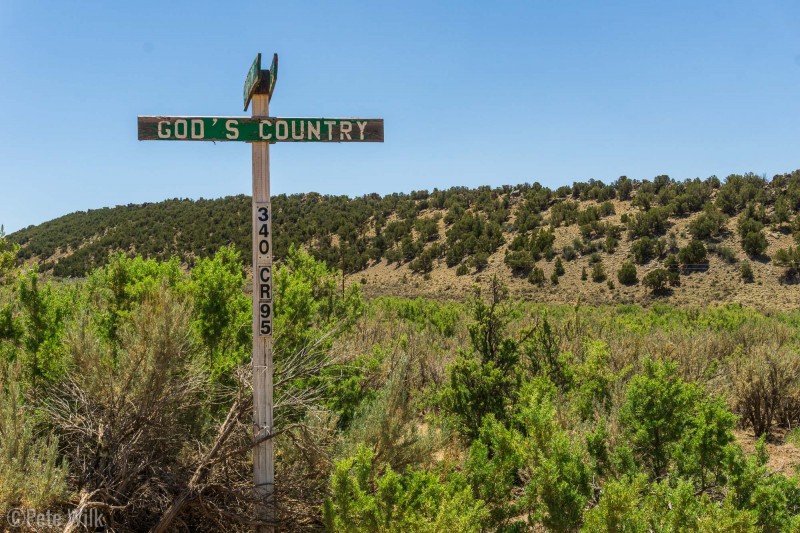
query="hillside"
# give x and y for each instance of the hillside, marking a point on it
(440, 243)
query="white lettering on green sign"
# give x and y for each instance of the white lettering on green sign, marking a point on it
(260, 129)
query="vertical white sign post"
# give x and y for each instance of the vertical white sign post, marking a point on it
(263, 455)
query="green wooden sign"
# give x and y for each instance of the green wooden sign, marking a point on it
(273, 75)
(270, 129)
(252, 80)
(260, 81)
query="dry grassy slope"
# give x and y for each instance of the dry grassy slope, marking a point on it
(721, 283)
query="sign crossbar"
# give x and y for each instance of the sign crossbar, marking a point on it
(260, 128)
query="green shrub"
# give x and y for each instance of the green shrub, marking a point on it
(479, 260)
(520, 262)
(748, 224)
(536, 276)
(483, 380)
(725, 253)
(492, 466)
(394, 256)
(709, 224)
(410, 248)
(363, 499)
(598, 273)
(789, 258)
(559, 487)
(706, 442)
(424, 261)
(693, 253)
(558, 268)
(8, 255)
(656, 280)
(310, 304)
(31, 472)
(656, 411)
(754, 243)
(593, 379)
(610, 244)
(620, 508)
(627, 274)
(642, 250)
(649, 223)
(44, 308)
(462, 270)
(584, 275)
(746, 271)
(569, 253)
(624, 188)
(222, 311)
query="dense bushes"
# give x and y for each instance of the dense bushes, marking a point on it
(353, 233)
(368, 497)
(114, 391)
(709, 224)
(490, 415)
(649, 223)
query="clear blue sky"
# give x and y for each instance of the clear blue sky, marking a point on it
(472, 93)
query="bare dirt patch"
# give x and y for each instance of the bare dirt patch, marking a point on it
(784, 457)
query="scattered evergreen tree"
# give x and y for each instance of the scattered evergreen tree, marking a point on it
(694, 253)
(789, 258)
(754, 243)
(709, 224)
(598, 273)
(558, 268)
(536, 276)
(656, 280)
(746, 271)
(627, 274)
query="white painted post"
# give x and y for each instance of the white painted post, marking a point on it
(263, 458)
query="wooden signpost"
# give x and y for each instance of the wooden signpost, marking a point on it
(261, 130)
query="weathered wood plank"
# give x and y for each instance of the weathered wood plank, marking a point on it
(250, 129)
(263, 453)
